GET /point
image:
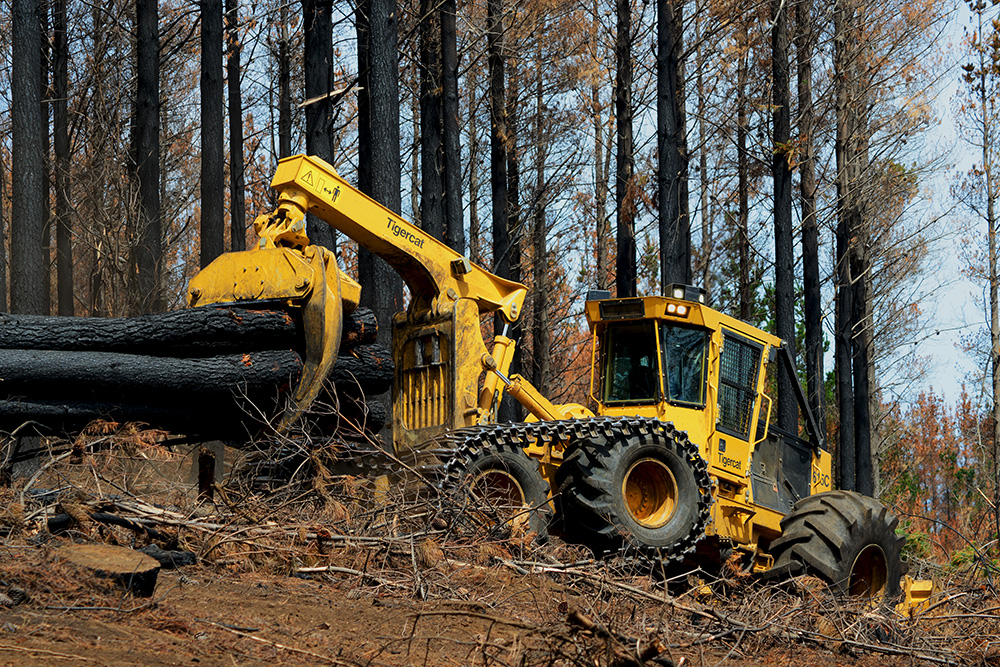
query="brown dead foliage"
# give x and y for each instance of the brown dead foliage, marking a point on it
(336, 568)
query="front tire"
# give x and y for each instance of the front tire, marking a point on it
(644, 491)
(847, 539)
(500, 487)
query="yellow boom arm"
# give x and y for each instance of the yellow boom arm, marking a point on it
(439, 348)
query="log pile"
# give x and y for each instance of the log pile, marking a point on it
(218, 372)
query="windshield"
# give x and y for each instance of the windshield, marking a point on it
(684, 354)
(630, 368)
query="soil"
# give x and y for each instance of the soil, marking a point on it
(331, 571)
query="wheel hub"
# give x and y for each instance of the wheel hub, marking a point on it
(650, 492)
(869, 574)
(502, 493)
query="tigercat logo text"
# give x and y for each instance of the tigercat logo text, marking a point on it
(730, 463)
(402, 233)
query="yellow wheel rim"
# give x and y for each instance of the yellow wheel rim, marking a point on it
(869, 573)
(502, 493)
(650, 492)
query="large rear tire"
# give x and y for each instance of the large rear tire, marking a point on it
(646, 492)
(499, 487)
(847, 539)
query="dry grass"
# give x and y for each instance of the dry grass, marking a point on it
(522, 603)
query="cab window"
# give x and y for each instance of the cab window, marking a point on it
(631, 372)
(685, 352)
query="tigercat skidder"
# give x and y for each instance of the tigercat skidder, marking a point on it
(679, 454)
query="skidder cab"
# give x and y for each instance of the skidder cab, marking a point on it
(721, 467)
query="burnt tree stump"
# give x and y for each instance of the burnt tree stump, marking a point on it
(134, 571)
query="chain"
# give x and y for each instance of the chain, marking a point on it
(458, 447)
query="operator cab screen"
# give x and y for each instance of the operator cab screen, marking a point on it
(684, 354)
(632, 372)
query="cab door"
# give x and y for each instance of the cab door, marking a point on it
(738, 386)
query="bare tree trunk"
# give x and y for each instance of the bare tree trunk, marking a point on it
(743, 182)
(541, 339)
(602, 154)
(378, 155)
(237, 177)
(147, 155)
(431, 166)
(845, 209)
(284, 87)
(511, 410)
(212, 155)
(805, 40)
(674, 224)
(454, 219)
(707, 209)
(64, 240)
(475, 250)
(625, 275)
(784, 255)
(994, 289)
(27, 227)
(3, 232)
(46, 160)
(319, 113)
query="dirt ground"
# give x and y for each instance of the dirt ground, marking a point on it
(340, 573)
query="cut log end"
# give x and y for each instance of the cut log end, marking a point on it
(135, 572)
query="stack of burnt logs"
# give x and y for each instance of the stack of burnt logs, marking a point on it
(213, 372)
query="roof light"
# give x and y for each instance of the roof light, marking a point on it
(682, 310)
(671, 308)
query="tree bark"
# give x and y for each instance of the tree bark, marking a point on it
(27, 280)
(284, 87)
(432, 215)
(147, 154)
(673, 222)
(212, 155)
(498, 137)
(540, 334)
(3, 233)
(784, 255)
(319, 114)
(46, 97)
(451, 127)
(845, 209)
(744, 287)
(625, 273)
(602, 157)
(510, 409)
(378, 162)
(60, 105)
(805, 43)
(237, 177)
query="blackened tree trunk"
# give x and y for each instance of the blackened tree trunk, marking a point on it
(284, 87)
(454, 220)
(784, 255)
(3, 232)
(46, 160)
(319, 112)
(27, 280)
(237, 178)
(475, 243)
(805, 44)
(498, 138)
(60, 118)
(861, 348)
(147, 153)
(378, 153)
(540, 335)
(212, 154)
(511, 410)
(625, 274)
(431, 154)
(602, 158)
(742, 234)
(673, 221)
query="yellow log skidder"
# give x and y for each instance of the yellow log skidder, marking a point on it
(680, 454)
